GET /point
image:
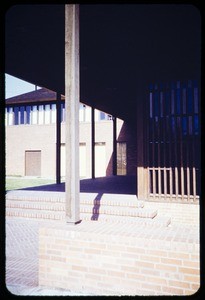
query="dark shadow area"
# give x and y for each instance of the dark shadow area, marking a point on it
(101, 185)
(96, 207)
(110, 185)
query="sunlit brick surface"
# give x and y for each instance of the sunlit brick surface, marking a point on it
(121, 259)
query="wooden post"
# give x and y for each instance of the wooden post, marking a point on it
(142, 171)
(72, 186)
(93, 142)
(58, 138)
(114, 163)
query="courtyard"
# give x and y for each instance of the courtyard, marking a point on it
(113, 255)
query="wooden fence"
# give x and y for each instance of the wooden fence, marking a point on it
(173, 154)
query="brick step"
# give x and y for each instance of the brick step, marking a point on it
(84, 208)
(39, 205)
(119, 211)
(85, 198)
(35, 214)
(159, 221)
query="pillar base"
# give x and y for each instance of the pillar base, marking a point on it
(72, 222)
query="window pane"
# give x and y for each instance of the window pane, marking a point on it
(82, 112)
(63, 112)
(6, 116)
(53, 113)
(28, 115)
(22, 113)
(11, 116)
(34, 114)
(102, 116)
(47, 114)
(40, 114)
(88, 114)
(16, 115)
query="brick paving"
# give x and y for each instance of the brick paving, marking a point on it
(22, 242)
(22, 258)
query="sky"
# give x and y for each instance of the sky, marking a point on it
(15, 86)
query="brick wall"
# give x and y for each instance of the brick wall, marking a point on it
(181, 213)
(20, 138)
(43, 137)
(102, 259)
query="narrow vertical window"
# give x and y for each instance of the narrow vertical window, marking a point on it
(97, 115)
(16, 115)
(11, 116)
(47, 114)
(82, 112)
(28, 115)
(63, 112)
(34, 114)
(53, 113)
(22, 115)
(40, 114)
(6, 116)
(102, 116)
(88, 114)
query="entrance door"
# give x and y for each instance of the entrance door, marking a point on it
(100, 160)
(63, 157)
(121, 158)
(33, 163)
(82, 158)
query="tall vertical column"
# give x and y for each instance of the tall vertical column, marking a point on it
(114, 146)
(58, 138)
(72, 185)
(142, 172)
(93, 142)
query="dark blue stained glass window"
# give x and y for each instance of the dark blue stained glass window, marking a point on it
(161, 86)
(151, 105)
(173, 125)
(196, 125)
(178, 101)
(173, 85)
(22, 109)
(16, 115)
(189, 101)
(150, 87)
(167, 103)
(184, 125)
(28, 114)
(156, 103)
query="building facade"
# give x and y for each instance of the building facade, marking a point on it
(30, 121)
(161, 147)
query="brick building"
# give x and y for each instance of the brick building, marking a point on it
(34, 115)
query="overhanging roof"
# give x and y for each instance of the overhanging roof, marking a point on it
(39, 95)
(122, 49)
